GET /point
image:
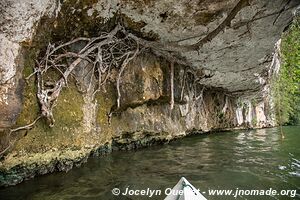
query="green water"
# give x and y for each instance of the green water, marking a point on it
(256, 159)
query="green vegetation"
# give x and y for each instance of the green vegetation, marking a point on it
(68, 112)
(287, 85)
(254, 121)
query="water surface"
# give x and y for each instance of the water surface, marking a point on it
(255, 159)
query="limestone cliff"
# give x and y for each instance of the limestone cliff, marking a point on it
(224, 54)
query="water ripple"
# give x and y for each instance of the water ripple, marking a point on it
(256, 159)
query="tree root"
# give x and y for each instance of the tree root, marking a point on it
(172, 85)
(113, 50)
(11, 131)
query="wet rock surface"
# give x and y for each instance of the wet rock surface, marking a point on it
(223, 84)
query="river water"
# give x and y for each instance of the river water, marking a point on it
(247, 160)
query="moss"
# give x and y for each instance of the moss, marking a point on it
(105, 99)
(254, 102)
(254, 121)
(239, 103)
(68, 113)
(221, 116)
(30, 90)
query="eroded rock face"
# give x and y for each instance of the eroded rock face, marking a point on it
(17, 26)
(142, 82)
(234, 54)
(228, 86)
(142, 120)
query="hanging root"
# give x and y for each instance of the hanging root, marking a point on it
(225, 105)
(113, 50)
(26, 127)
(183, 85)
(11, 131)
(172, 85)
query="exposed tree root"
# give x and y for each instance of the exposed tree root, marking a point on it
(26, 127)
(225, 105)
(113, 50)
(11, 131)
(172, 85)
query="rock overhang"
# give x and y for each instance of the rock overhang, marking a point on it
(237, 37)
(237, 55)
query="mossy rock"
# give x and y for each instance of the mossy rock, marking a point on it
(67, 113)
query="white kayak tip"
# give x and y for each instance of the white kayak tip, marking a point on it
(184, 190)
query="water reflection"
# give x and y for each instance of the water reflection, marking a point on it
(256, 159)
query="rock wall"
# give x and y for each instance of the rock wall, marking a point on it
(221, 86)
(85, 126)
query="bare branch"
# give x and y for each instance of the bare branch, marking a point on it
(26, 127)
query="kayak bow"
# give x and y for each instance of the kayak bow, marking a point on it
(183, 190)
